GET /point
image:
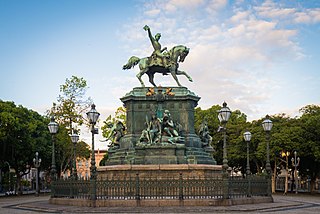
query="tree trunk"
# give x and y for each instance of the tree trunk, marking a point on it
(18, 184)
(274, 175)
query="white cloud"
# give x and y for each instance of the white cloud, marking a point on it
(309, 16)
(153, 12)
(302, 17)
(214, 6)
(270, 9)
(173, 5)
(240, 16)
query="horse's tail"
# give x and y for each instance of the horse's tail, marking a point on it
(133, 61)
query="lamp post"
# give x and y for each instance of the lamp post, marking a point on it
(93, 116)
(53, 129)
(37, 162)
(286, 154)
(223, 116)
(74, 139)
(295, 163)
(247, 138)
(267, 125)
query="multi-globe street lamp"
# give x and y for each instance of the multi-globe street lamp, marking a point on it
(223, 116)
(53, 129)
(93, 116)
(286, 154)
(37, 162)
(247, 138)
(295, 163)
(267, 126)
(74, 139)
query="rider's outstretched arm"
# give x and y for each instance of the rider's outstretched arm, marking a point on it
(149, 33)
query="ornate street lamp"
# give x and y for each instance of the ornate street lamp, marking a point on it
(286, 154)
(74, 139)
(93, 116)
(267, 126)
(53, 129)
(295, 163)
(37, 162)
(247, 138)
(223, 116)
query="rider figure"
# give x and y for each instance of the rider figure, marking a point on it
(157, 53)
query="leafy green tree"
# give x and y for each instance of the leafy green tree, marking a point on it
(72, 103)
(69, 112)
(22, 133)
(236, 146)
(309, 151)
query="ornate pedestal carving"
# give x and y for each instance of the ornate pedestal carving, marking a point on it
(186, 147)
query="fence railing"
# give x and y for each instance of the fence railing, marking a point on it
(162, 188)
(303, 185)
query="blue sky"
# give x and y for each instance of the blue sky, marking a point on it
(261, 57)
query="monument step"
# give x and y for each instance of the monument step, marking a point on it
(190, 153)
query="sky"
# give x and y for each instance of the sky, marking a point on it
(260, 56)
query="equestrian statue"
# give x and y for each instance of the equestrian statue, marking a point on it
(160, 61)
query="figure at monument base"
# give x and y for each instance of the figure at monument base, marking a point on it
(160, 129)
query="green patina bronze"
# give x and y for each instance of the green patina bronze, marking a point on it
(160, 61)
(160, 120)
(160, 129)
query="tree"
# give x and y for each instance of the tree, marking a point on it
(236, 126)
(310, 148)
(72, 103)
(69, 112)
(22, 133)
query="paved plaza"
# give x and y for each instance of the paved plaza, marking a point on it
(290, 203)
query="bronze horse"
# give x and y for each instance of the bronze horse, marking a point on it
(168, 64)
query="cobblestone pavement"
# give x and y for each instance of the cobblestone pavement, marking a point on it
(300, 203)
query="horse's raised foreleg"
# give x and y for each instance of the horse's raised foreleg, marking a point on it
(184, 73)
(173, 73)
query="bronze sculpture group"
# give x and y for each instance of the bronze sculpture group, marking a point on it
(160, 130)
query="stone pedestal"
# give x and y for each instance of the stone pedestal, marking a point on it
(140, 104)
(160, 154)
(160, 171)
